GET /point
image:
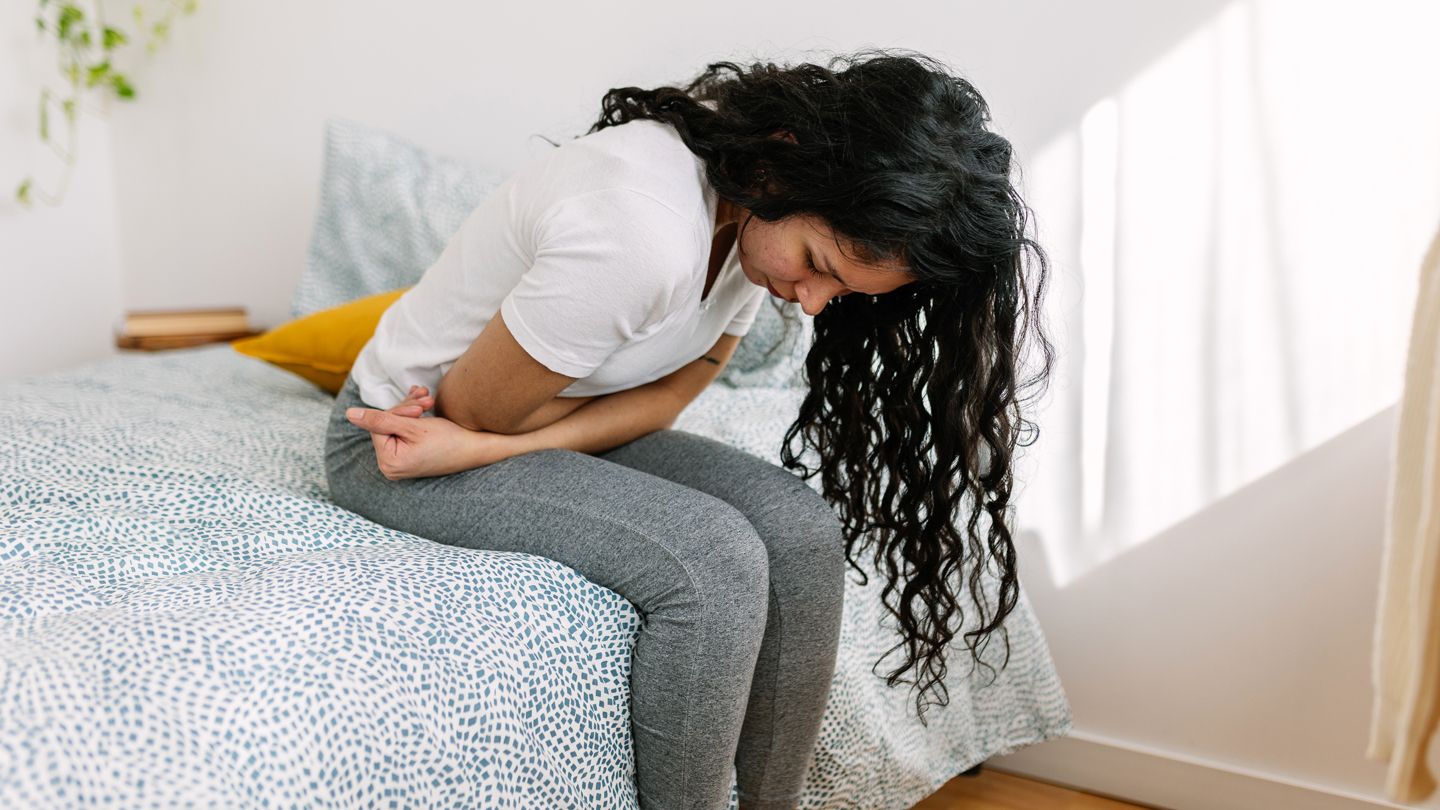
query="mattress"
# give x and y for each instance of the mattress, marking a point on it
(185, 617)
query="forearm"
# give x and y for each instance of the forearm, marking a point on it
(608, 421)
(550, 413)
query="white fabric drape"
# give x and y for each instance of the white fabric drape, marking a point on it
(1406, 664)
(1232, 280)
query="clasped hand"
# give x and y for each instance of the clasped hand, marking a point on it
(409, 443)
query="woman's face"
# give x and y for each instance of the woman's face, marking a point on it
(797, 259)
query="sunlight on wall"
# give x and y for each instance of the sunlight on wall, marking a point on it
(1235, 236)
(1098, 167)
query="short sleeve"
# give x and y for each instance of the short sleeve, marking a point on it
(607, 264)
(745, 318)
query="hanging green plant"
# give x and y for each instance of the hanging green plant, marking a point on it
(86, 45)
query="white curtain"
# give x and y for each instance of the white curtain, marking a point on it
(1406, 664)
(1234, 234)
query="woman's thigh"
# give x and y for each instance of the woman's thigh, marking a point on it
(792, 518)
(647, 538)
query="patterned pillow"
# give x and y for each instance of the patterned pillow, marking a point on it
(772, 353)
(387, 209)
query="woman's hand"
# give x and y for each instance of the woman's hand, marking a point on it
(415, 403)
(411, 445)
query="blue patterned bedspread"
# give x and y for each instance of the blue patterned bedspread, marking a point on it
(186, 619)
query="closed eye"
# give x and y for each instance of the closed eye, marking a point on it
(815, 271)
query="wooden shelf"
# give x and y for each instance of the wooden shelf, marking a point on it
(161, 342)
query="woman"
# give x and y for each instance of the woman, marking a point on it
(598, 291)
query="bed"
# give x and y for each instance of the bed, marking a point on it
(186, 618)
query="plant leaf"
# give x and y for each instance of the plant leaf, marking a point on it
(69, 16)
(22, 194)
(122, 86)
(96, 73)
(113, 38)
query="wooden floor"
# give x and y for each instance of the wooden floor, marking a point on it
(993, 790)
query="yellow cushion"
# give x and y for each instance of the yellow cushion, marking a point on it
(322, 346)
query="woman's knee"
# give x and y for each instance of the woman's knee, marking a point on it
(726, 559)
(805, 531)
(341, 461)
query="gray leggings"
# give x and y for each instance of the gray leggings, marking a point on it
(735, 565)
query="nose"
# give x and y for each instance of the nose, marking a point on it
(815, 293)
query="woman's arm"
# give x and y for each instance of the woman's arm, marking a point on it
(407, 446)
(496, 386)
(608, 421)
(410, 446)
(551, 412)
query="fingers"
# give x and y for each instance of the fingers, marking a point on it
(380, 421)
(419, 394)
(424, 403)
(416, 402)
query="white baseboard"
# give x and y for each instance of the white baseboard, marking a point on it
(1163, 779)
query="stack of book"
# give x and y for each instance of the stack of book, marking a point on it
(174, 329)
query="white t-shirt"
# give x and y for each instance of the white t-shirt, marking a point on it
(596, 254)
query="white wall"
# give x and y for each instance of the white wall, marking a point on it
(219, 166)
(1240, 637)
(59, 267)
(1235, 644)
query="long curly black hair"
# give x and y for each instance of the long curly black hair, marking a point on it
(914, 399)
